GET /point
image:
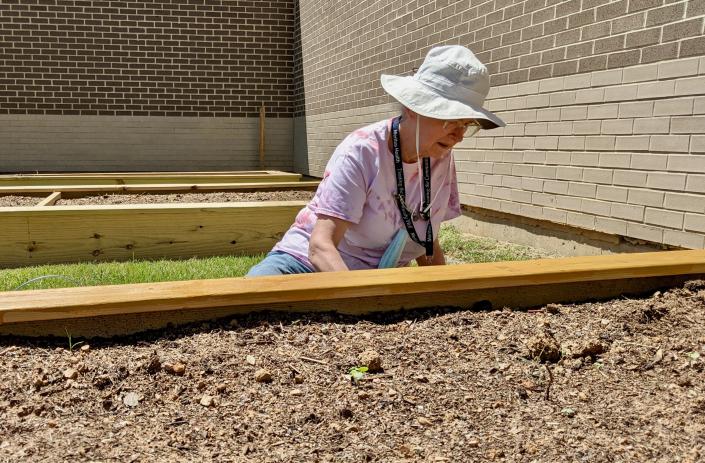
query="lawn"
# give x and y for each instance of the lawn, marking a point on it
(459, 248)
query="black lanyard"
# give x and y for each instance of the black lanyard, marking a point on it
(425, 211)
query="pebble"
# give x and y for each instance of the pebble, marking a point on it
(251, 359)
(263, 376)
(424, 421)
(296, 392)
(131, 399)
(85, 348)
(207, 401)
(221, 388)
(177, 368)
(70, 373)
(372, 360)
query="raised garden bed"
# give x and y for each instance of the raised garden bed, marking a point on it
(127, 178)
(64, 218)
(160, 198)
(615, 380)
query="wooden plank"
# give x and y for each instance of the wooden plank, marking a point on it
(50, 200)
(74, 191)
(577, 278)
(129, 179)
(99, 233)
(261, 137)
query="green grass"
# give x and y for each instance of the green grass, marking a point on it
(464, 248)
(458, 247)
(116, 273)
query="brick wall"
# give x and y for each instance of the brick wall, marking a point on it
(604, 102)
(100, 85)
(172, 58)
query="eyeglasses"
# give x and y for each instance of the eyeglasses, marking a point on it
(472, 125)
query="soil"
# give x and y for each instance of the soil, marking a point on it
(218, 197)
(150, 198)
(19, 201)
(614, 381)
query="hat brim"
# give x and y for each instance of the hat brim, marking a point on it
(425, 101)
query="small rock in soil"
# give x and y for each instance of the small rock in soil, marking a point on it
(85, 348)
(250, 359)
(424, 421)
(177, 368)
(544, 347)
(70, 373)
(372, 360)
(131, 399)
(263, 376)
(207, 401)
(591, 348)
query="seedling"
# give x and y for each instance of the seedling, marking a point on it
(71, 343)
(357, 373)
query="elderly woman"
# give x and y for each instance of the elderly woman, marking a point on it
(392, 180)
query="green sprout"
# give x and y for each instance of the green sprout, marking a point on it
(71, 343)
(357, 373)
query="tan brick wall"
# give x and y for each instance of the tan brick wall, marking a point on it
(605, 103)
(31, 143)
(615, 151)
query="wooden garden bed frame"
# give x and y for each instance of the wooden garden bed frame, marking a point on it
(63, 234)
(127, 178)
(47, 234)
(80, 191)
(122, 309)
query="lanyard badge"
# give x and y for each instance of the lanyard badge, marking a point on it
(425, 210)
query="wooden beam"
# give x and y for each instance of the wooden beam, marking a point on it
(34, 236)
(75, 191)
(50, 200)
(141, 178)
(516, 284)
(261, 137)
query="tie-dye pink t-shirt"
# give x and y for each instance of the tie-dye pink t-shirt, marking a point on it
(358, 186)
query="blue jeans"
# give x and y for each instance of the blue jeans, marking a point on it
(278, 263)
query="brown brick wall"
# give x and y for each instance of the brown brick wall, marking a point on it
(200, 58)
(347, 44)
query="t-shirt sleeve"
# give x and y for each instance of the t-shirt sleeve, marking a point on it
(343, 190)
(453, 209)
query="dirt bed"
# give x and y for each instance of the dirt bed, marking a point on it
(220, 197)
(19, 201)
(613, 381)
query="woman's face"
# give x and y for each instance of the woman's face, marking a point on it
(438, 137)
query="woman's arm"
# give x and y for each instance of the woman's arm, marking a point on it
(437, 259)
(323, 246)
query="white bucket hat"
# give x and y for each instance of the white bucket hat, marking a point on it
(450, 84)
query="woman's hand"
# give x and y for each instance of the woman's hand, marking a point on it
(437, 259)
(323, 245)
